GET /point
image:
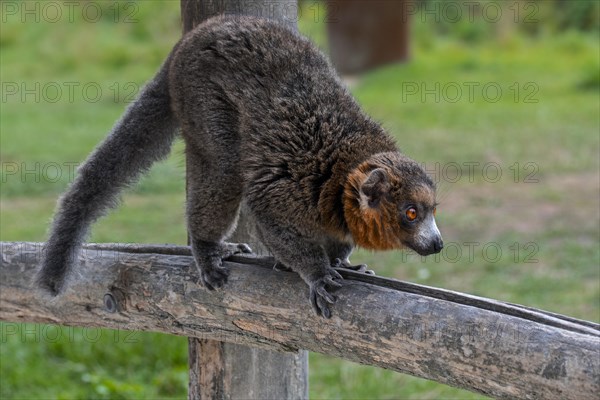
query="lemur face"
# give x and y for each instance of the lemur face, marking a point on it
(418, 230)
(392, 207)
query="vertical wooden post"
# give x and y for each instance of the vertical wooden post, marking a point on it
(220, 370)
(368, 34)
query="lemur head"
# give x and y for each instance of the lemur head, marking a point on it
(389, 203)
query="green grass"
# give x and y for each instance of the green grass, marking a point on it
(553, 221)
(48, 361)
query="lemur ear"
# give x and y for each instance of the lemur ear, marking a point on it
(375, 187)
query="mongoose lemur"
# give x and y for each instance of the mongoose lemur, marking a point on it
(266, 119)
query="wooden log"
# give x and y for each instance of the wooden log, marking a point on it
(494, 348)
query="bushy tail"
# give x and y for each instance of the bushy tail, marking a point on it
(143, 136)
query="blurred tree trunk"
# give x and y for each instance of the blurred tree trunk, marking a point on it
(368, 34)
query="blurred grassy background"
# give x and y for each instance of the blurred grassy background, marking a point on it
(529, 236)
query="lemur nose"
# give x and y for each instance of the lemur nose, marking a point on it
(438, 244)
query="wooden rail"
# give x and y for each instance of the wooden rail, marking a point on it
(498, 349)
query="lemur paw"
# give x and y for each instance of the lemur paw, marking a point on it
(320, 298)
(213, 274)
(229, 249)
(337, 263)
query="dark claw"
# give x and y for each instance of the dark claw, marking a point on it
(325, 311)
(325, 295)
(315, 303)
(319, 304)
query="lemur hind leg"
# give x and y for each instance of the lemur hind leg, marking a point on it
(339, 253)
(214, 189)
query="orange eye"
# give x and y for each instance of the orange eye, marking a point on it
(411, 214)
(434, 211)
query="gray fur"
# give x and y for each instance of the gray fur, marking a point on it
(265, 118)
(142, 136)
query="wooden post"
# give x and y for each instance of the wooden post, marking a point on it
(368, 34)
(220, 370)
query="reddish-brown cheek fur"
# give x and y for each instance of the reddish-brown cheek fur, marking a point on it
(371, 228)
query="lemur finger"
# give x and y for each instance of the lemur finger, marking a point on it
(313, 302)
(329, 281)
(321, 291)
(244, 248)
(325, 311)
(228, 249)
(336, 275)
(202, 278)
(360, 267)
(319, 304)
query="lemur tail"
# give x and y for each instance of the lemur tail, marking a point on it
(142, 136)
